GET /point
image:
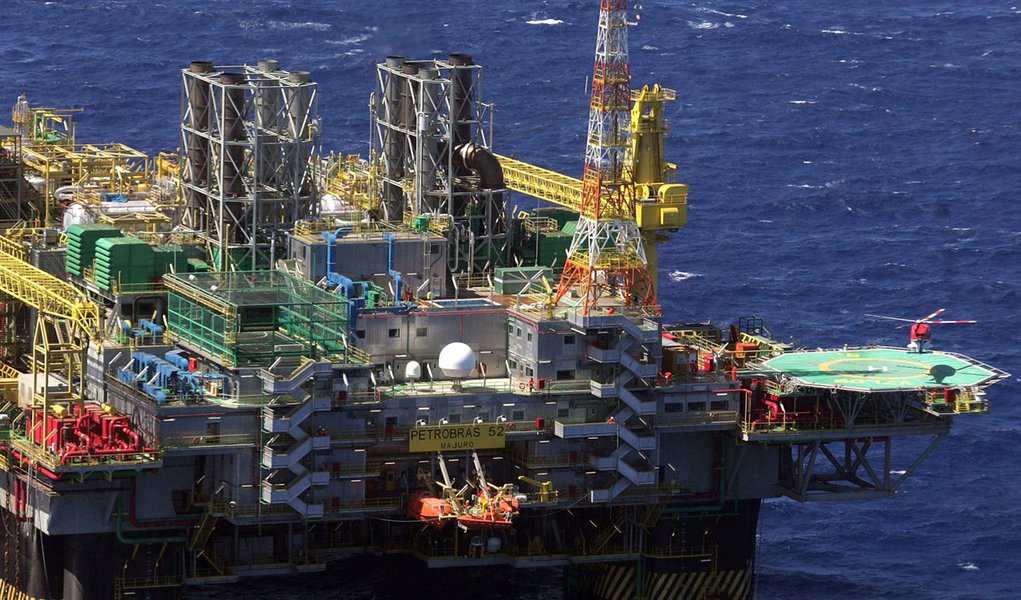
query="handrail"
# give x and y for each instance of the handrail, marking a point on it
(205, 440)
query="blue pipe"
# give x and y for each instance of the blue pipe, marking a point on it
(389, 237)
(333, 276)
(331, 244)
(344, 282)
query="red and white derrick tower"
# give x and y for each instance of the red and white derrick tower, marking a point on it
(606, 257)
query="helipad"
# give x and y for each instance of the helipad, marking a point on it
(881, 369)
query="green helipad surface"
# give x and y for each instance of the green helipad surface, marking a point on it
(880, 369)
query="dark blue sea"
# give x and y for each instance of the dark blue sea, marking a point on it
(843, 158)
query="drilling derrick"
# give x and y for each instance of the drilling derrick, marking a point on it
(607, 256)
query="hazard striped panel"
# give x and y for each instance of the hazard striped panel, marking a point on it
(734, 584)
(617, 582)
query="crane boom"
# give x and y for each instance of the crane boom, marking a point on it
(659, 205)
(67, 321)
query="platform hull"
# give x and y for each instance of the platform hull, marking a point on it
(713, 557)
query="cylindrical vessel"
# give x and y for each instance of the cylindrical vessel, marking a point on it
(198, 142)
(268, 101)
(233, 131)
(463, 96)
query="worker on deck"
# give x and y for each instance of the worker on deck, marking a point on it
(920, 336)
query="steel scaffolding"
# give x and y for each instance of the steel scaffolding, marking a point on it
(430, 154)
(245, 318)
(11, 176)
(250, 139)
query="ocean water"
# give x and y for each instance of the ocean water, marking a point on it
(843, 158)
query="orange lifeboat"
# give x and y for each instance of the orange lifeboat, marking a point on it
(428, 508)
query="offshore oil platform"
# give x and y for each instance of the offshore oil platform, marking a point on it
(250, 358)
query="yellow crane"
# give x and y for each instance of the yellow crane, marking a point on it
(662, 205)
(546, 491)
(67, 321)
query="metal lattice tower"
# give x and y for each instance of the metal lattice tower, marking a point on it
(251, 144)
(431, 147)
(606, 255)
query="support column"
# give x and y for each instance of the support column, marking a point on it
(91, 564)
(689, 554)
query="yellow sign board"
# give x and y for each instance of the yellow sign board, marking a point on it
(457, 437)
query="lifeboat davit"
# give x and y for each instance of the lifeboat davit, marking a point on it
(490, 514)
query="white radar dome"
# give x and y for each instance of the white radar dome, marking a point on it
(457, 360)
(412, 371)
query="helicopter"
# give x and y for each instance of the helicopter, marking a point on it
(921, 332)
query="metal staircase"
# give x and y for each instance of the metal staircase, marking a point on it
(202, 532)
(291, 492)
(630, 459)
(290, 383)
(287, 454)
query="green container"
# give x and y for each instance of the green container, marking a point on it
(127, 260)
(81, 244)
(421, 223)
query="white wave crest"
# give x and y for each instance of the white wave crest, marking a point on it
(348, 41)
(723, 14)
(284, 25)
(544, 22)
(682, 275)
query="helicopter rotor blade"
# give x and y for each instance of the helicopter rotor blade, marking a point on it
(891, 318)
(949, 322)
(933, 315)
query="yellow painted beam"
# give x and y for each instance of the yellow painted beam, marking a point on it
(541, 183)
(51, 296)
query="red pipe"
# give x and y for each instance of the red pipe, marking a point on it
(716, 391)
(42, 469)
(134, 438)
(20, 500)
(86, 440)
(72, 453)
